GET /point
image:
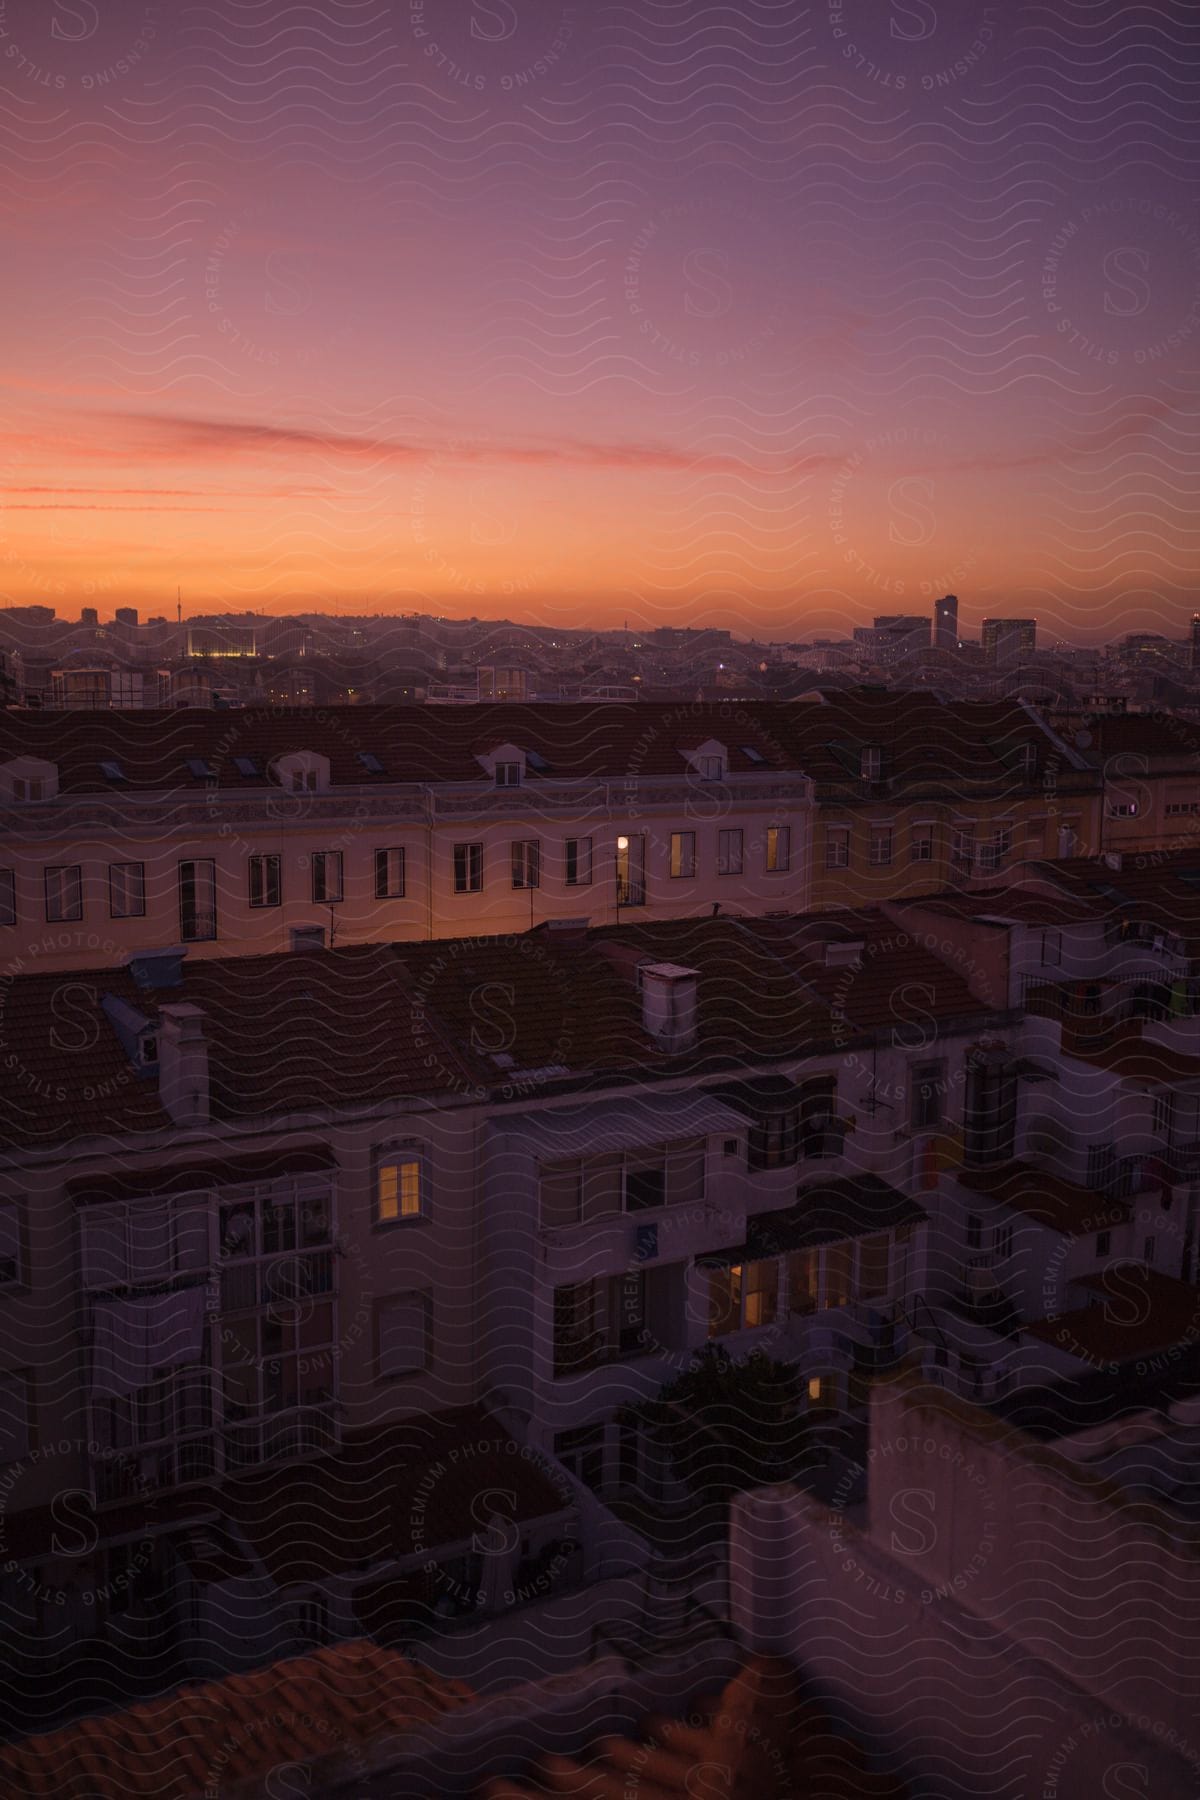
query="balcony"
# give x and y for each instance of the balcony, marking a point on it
(288, 1278)
(630, 892)
(196, 926)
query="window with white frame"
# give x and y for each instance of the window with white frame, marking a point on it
(508, 774)
(683, 854)
(1051, 948)
(963, 851)
(837, 846)
(400, 1185)
(880, 853)
(712, 768)
(779, 849)
(468, 868)
(578, 858)
(10, 1245)
(403, 1334)
(8, 897)
(526, 863)
(64, 892)
(15, 1410)
(1002, 1241)
(871, 766)
(143, 1245)
(327, 877)
(389, 874)
(198, 900)
(264, 881)
(921, 843)
(729, 852)
(127, 890)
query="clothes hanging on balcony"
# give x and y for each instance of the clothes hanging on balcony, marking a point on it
(133, 1338)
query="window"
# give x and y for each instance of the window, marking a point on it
(526, 863)
(779, 849)
(468, 868)
(197, 900)
(974, 1232)
(928, 1083)
(921, 849)
(508, 774)
(127, 890)
(264, 881)
(10, 1245)
(1122, 809)
(963, 855)
(579, 862)
(631, 871)
(112, 771)
(327, 877)
(371, 763)
(64, 892)
(645, 1187)
(14, 1417)
(389, 874)
(760, 1293)
(751, 754)
(991, 856)
(246, 765)
(683, 854)
(399, 1187)
(712, 768)
(990, 1109)
(1148, 1249)
(1002, 1240)
(773, 1140)
(729, 853)
(200, 770)
(403, 1334)
(25, 787)
(307, 937)
(874, 1266)
(871, 767)
(1101, 1167)
(1051, 948)
(880, 855)
(1103, 1243)
(312, 1619)
(8, 897)
(303, 781)
(837, 846)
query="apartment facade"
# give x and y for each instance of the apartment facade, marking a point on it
(250, 833)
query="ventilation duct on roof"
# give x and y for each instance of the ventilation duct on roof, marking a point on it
(157, 968)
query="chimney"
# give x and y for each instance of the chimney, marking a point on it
(669, 995)
(183, 1063)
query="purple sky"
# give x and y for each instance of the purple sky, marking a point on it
(764, 315)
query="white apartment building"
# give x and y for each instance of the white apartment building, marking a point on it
(275, 1226)
(248, 834)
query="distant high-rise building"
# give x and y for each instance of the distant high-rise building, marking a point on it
(88, 616)
(945, 623)
(1004, 639)
(1195, 656)
(126, 615)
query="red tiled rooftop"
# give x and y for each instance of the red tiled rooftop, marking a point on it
(226, 1736)
(1140, 1313)
(758, 1739)
(1047, 1199)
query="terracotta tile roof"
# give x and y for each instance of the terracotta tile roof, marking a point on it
(926, 743)
(286, 1034)
(227, 1736)
(1047, 1199)
(764, 1738)
(584, 740)
(1018, 904)
(893, 961)
(391, 1493)
(1155, 888)
(1140, 1314)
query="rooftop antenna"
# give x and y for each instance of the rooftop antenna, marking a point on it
(179, 606)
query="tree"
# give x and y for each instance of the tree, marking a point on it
(728, 1425)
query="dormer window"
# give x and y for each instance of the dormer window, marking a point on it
(200, 770)
(710, 761)
(302, 772)
(371, 762)
(246, 765)
(29, 778)
(872, 762)
(508, 774)
(112, 771)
